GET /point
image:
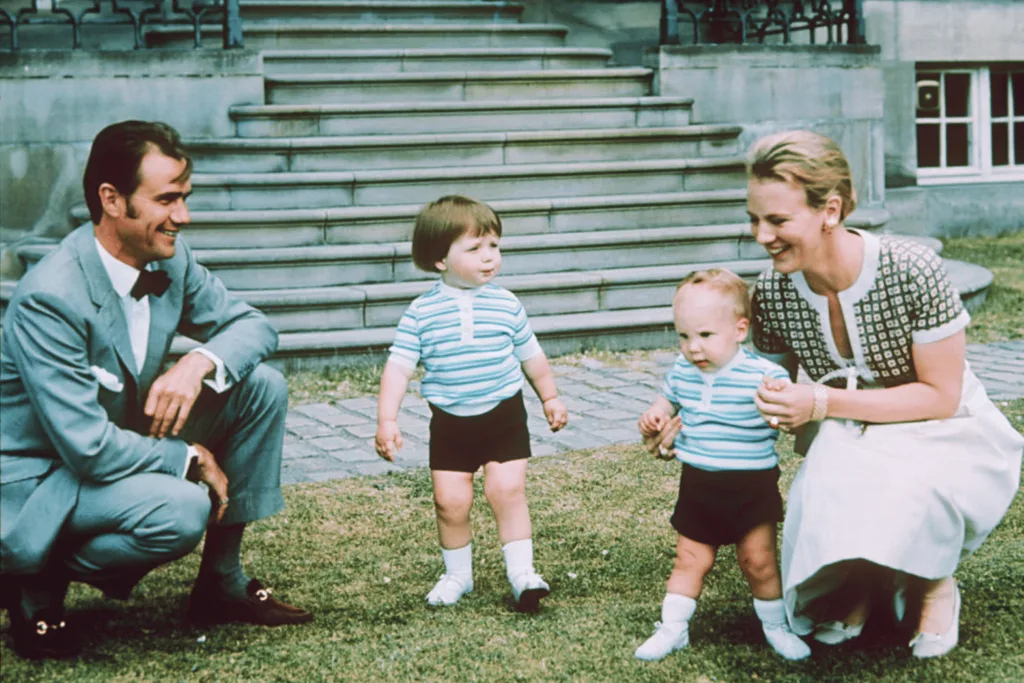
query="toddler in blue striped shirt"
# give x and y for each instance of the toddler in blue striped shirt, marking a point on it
(475, 343)
(728, 493)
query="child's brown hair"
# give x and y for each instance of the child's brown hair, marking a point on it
(445, 220)
(724, 282)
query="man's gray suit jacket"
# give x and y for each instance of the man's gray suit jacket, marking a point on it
(59, 425)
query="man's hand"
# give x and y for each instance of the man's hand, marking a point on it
(555, 412)
(388, 440)
(173, 394)
(206, 469)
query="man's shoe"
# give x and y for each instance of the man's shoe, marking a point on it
(528, 589)
(208, 607)
(45, 636)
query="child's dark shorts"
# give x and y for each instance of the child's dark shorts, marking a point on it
(719, 508)
(465, 443)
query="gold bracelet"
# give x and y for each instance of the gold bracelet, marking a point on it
(820, 410)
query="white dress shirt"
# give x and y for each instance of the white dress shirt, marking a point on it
(136, 314)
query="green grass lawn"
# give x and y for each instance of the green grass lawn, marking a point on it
(362, 554)
(1002, 316)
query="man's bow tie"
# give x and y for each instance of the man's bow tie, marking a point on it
(153, 282)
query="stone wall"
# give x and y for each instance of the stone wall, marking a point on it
(937, 31)
(835, 90)
(52, 104)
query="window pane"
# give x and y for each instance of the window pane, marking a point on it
(958, 144)
(928, 145)
(999, 100)
(1000, 144)
(1018, 144)
(928, 89)
(958, 91)
(1017, 81)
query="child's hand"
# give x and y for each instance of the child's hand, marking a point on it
(775, 383)
(651, 422)
(555, 412)
(660, 444)
(388, 440)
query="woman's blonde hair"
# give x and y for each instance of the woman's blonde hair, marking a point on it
(723, 281)
(442, 222)
(812, 161)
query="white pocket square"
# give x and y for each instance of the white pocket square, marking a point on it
(106, 379)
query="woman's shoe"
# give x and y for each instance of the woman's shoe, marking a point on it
(938, 644)
(835, 632)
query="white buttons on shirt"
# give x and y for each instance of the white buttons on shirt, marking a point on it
(466, 320)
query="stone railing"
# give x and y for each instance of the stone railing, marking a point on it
(140, 14)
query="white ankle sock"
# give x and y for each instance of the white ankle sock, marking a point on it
(518, 557)
(775, 625)
(459, 561)
(677, 608)
(770, 612)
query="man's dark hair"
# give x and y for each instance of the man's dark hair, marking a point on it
(117, 153)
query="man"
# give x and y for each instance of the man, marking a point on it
(99, 452)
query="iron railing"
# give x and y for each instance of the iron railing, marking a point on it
(748, 21)
(710, 21)
(141, 14)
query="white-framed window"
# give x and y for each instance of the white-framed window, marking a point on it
(970, 123)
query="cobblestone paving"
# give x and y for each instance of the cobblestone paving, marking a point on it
(336, 441)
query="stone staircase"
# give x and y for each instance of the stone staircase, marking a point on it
(609, 194)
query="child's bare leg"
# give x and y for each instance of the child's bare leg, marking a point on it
(505, 489)
(453, 498)
(693, 561)
(756, 553)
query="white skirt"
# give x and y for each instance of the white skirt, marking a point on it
(915, 497)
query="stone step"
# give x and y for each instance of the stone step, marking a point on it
(614, 329)
(256, 12)
(329, 36)
(559, 334)
(224, 192)
(375, 224)
(352, 153)
(302, 270)
(276, 62)
(263, 121)
(457, 86)
(368, 306)
(325, 266)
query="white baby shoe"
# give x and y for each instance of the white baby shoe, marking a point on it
(449, 589)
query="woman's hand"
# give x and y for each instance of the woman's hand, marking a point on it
(785, 405)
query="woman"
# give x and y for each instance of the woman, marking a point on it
(914, 466)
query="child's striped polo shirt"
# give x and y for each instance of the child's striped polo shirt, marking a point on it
(471, 343)
(722, 429)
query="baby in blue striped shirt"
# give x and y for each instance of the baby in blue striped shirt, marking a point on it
(729, 491)
(475, 344)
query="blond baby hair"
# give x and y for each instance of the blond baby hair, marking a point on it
(723, 281)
